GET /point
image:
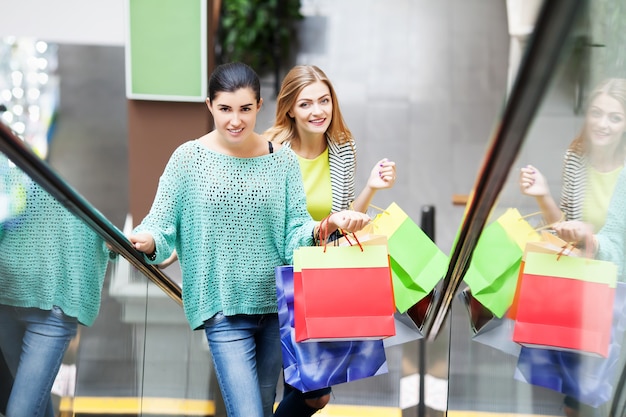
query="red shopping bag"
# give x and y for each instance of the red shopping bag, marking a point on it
(314, 365)
(549, 243)
(565, 303)
(343, 293)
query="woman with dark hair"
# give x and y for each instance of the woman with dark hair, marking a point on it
(309, 121)
(232, 206)
(52, 268)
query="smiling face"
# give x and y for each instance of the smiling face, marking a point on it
(605, 122)
(313, 110)
(234, 114)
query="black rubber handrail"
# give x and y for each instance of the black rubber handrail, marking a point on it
(17, 151)
(552, 29)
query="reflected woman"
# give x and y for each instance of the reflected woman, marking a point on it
(592, 165)
(52, 267)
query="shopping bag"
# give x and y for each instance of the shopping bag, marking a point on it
(314, 365)
(566, 303)
(417, 264)
(343, 293)
(589, 379)
(494, 267)
(364, 237)
(486, 328)
(410, 324)
(548, 243)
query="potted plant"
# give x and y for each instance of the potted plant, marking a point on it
(260, 33)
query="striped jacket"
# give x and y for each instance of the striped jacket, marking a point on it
(342, 161)
(574, 183)
(574, 180)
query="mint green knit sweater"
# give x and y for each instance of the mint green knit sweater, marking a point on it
(232, 221)
(612, 236)
(49, 257)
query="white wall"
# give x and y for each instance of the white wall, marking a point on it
(90, 22)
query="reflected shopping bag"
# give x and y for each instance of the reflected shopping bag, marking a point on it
(548, 243)
(566, 303)
(314, 365)
(343, 293)
(486, 328)
(494, 268)
(417, 264)
(410, 324)
(589, 379)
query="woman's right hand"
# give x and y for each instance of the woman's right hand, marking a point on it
(143, 242)
(532, 182)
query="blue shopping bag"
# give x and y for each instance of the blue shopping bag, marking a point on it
(309, 366)
(588, 379)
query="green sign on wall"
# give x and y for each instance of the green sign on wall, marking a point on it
(166, 50)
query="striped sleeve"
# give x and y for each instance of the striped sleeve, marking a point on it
(573, 190)
(342, 161)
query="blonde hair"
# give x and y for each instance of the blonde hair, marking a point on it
(284, 128)
(614, 88)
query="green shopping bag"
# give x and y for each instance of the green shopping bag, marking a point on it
(417, 264)
(494, 268)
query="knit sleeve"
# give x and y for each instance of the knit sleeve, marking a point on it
(161, 222)
(612, 236)
(299, 224)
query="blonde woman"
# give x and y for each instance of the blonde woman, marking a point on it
(309, 121)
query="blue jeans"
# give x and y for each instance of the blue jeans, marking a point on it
(33, 343)
(247, 360)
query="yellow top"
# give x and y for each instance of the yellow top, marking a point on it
(600, 186)
(316, 179)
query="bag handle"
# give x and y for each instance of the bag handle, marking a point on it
(355, 238)
(382, 210)
(549, 225)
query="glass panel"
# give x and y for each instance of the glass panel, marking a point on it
(105, 360)
(577, 142)
(53, 265)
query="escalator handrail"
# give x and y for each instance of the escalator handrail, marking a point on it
(552, 28)
(20, 154)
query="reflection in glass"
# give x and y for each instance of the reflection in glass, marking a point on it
(52, 269)
(29, 89)
(570, 167)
